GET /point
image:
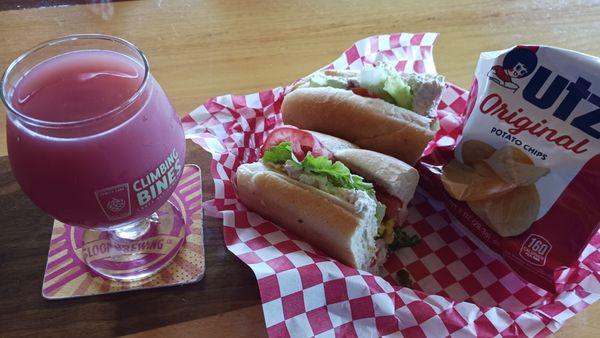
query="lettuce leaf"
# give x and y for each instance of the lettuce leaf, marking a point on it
(382, 80)
(279, 154)
(399, 90)
(373, 79)
(404, 279)
(380, 212)
(337, 174)
(403, 240)
(387, 84)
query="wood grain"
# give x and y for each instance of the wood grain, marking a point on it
(199, 49)
(23, 4)
(228, 284)
(247, 322)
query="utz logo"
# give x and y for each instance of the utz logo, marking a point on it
(557, 96)
(518, 63)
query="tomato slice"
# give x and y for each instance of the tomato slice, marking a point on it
(302, 142)
(392, 204)
(363, 92)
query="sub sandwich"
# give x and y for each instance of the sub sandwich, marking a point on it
(376, 108)
(346, 201)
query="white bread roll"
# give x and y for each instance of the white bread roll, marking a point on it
(394, 176)
(323, 220)
(333, 143)
(367, 122)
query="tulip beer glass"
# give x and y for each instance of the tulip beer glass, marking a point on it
(94, 141)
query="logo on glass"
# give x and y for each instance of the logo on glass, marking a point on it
(114, 201)
(116, 204)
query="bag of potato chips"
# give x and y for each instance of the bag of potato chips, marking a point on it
(524, 177)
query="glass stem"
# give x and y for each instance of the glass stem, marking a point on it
(136, 229)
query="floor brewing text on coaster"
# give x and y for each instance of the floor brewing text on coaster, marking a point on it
(67, 274)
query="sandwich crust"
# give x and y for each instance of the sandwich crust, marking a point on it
(367, 122)
(332, 143)
(323, 220)
(394, 176)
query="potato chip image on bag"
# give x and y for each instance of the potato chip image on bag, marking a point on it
(513, 165)
(510, 214)
(475, 150)
(484, 169)
(498, 184)
(466, 184)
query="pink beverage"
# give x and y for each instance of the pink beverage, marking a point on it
(96, 142)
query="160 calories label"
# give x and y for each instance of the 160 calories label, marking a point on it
(535, 249)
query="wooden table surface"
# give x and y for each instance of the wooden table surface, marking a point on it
(199, 49)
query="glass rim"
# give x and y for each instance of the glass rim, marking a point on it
(67, 38)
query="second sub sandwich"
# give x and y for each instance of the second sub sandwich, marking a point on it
(376, 108)
(345, 204)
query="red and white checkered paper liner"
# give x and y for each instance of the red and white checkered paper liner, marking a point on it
(459, 289)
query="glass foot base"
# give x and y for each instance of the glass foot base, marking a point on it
(138, 250)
